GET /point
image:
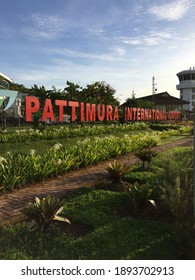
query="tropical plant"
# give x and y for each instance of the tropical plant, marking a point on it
(146, 155)
(43, 212)
(26, 135)
(117, 170)
(174, 169)
(138, 103)
(141, 193)
(20, 168)
(175, 172)
(141, 177)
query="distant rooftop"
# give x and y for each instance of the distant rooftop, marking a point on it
(164, 98)
(5, 81)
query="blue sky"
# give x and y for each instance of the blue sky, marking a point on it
(122, 42)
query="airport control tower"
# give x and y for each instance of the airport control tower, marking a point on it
(186, 87)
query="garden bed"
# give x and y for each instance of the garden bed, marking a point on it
(112, 224)
(107, 222)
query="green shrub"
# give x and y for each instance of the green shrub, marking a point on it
(140, 177)
(26, 135)
(162, 127)
(113, 236)
(43, 212)
(141, 193)
(174, 170)
(19, 169)
(117, 170)
(146, 155)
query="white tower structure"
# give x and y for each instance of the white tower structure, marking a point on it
(187, 87)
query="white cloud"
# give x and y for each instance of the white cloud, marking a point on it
(152, 39)
(96, 31)
(115, 54)
(45, 26)
(171, 11)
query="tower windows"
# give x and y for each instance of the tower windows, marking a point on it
(186, 77)
(180, 78)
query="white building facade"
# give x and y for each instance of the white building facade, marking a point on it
(186, 87)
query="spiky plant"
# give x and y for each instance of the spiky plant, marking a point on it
(146, 155)
(117, 170)
(141, 193)
(42, 212)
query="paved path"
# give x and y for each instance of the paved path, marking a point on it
(12, 203)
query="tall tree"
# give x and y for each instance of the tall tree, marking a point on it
(73, 92)
(20, 88)
(138, 103)
(41, 93)
(100, 92)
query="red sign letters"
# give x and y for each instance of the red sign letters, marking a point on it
(92, 112)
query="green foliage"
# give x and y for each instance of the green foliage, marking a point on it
(141, 193)
(64, 132)
(146, 155)
(20, 169)
(140, 177)
(117, 170)
(162, 127)
(31, 166)
(174, 169)
(43, 212)
(138, 103)
(20, 88)
(111, 237)
(36, 123)
(100, 93)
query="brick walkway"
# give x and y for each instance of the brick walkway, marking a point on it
(12, 203)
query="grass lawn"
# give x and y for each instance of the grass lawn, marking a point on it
(97, 231)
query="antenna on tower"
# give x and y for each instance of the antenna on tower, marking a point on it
(154, 89)
(133, 94)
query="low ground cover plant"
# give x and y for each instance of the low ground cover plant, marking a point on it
(108, 224)
(112, 225)
(21, 141)
(140, 176)
(109, 234)
(167, 187)
(18, 169)
(63, 132)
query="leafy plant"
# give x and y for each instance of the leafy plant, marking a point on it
(43, 212)
(174, 169)
(140, 177)
(117, 170)
(146, 155)
(141, 194)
